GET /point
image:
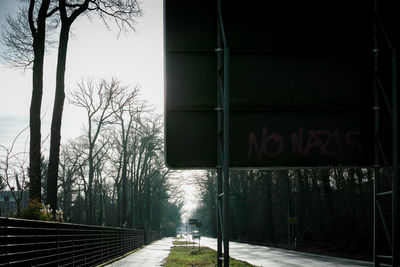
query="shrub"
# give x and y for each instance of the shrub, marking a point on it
(38, 211)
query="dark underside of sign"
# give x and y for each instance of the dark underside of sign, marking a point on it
(300, 83)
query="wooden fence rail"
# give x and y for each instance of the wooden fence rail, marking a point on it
(38, 243)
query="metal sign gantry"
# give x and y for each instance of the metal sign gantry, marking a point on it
(287, 63)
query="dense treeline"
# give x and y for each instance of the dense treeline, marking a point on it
(332, 208)
(112, 174)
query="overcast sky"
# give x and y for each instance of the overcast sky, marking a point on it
(135, 58)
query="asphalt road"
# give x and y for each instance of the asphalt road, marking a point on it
(274, 257)
(155, 253)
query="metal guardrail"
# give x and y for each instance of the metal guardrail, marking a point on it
(38, 243)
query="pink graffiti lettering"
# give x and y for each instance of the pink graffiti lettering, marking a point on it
(271, 144)
(297, 142)
(304, 143)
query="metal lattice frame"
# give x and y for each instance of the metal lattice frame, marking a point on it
(391, 236)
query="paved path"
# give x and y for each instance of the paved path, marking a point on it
(149, 256)
(274, 257)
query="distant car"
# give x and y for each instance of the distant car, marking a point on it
(195, 234)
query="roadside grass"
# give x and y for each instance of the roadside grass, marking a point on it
(182, 243)
(181, 257)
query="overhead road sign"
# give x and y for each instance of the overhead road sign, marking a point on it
(193, 221)
(300, 83)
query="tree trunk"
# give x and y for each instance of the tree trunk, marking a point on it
(131, 221)
(302, 204)
(331, 224)
(269, 210)
(361, 186)
(36, 101)
(56, 119)
(68, 196)
(124, 185)
(95, 197)
(89, 213)
(119, 207)
(101, 219)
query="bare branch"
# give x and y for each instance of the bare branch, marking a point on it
(18, 41)
(122, 12)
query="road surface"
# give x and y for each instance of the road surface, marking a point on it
(155, 253)
(274, 257)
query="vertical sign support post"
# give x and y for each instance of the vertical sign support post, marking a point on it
(219, 143)
(376, 108)
(223, 140)
(225, 167)
(395, 186)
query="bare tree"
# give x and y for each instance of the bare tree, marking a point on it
(101, 106)
(126, 108)
(25, 40)
(13, 171)
(72, 158)
(146, 148)
(120, 167)
(123, 12)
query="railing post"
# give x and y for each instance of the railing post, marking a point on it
(128, 240)
(6, 250)
(101, 242)
(36, 244)
(58, 243)
(85, 237)
(114, 241)
(73, 245)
